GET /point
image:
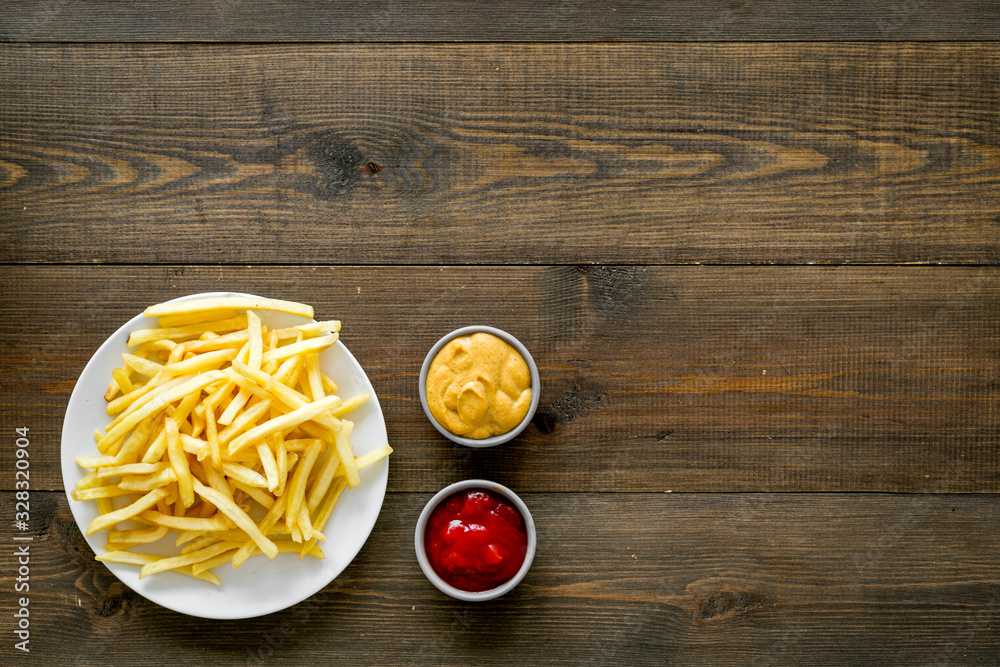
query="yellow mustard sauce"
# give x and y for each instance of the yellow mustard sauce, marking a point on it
(478, 386)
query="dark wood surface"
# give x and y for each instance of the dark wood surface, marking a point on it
(513, 21)
(753, 250)
(730, 579)
(511, 154)
(689, 378)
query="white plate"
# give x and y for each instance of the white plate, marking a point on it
(260, 586)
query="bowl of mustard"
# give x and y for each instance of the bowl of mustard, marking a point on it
(479, 386)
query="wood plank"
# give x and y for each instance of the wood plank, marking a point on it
(720, 578)
(401, 154)
(517, 20)
(653, 378)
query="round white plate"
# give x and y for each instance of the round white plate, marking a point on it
(260, 586)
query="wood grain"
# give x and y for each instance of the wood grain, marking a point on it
(559, 170)
(512, 154)
(653, 378)
(517, 20)
(617, 579)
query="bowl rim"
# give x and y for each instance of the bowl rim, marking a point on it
(425, 565)
(536, 386)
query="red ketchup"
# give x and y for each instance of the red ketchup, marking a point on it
(475, 540)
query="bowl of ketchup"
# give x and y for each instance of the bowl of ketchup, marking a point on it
(475, 540)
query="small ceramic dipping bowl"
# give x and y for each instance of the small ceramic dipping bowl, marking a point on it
(536, 386)
(428, 569)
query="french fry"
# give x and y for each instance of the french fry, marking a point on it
(297, 487)
(235, 339)
(217, 396)
(177, 354)
(212, 434)
(193, 445)
(137, 535)
(234, 407)
(199, 362)
(350, 404)
(137, 440)
(183, 319)
(235, 302)
(325, 511)
(299, 444)
(288, 547)
(316, 390)
(185, 523)
(269, 465)
(238, 516)
(157, 447)
(310, 345)
(112, 391)
(243, 474)
(139, 396)
(255, 338)
(104, 505)
(310, 329)
(94, 462)
(288, 372)
(182, 411)
(174, 562)
(95, 492)
(328, 384)
(281, 459)
(130, 558)
(142, 365)
(214, 479)
(266, 524)
(214, 562)
(130, 469)
(161, 348)
(87, 481)
(245, 420)
(261, 497)
(179, 463)
(121, 377)
(141, 336)
(112, 518)
(304, 524)
(285, 421)
(373, 456)
(197, 426)
(346, 454)
(200, 540)
(148, 482)
(326, 473)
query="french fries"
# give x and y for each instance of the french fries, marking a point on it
(223, 434)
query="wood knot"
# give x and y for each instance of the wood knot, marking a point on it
(729, 602)
(615, 291)
(116, 600)
(577, 399)
(72, 541)
(544, 422)
(338, 164)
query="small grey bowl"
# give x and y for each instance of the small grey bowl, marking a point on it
(536, 386)
(425, 565)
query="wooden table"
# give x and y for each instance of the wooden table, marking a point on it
(753, 250)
